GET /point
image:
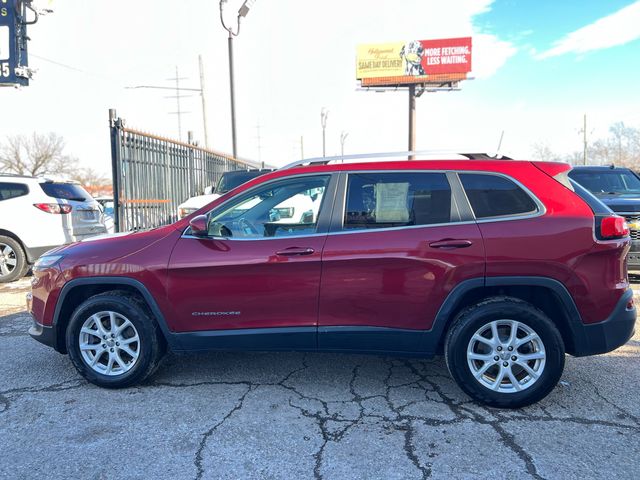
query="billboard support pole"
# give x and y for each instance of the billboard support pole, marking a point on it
(412, 120)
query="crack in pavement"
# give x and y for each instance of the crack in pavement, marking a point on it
(198, 458)
(58, 387)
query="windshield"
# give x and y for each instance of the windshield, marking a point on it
(231, 180)
(607, 181)
(65, 191)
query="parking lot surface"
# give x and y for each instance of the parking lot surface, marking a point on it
(297, 416)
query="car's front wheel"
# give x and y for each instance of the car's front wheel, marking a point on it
(113, 341)
(504, 352)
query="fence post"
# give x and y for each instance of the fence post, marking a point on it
(115, 124)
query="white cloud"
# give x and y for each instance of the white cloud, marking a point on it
(616, 29)
(489, 54)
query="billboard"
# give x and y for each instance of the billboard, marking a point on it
(414, 61)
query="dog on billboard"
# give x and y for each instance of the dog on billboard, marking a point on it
(412, 53)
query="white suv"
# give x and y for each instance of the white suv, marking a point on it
(38, 214)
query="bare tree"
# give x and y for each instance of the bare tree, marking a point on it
(88, 177)
(540, 151)
(36, 154)
(621, 147)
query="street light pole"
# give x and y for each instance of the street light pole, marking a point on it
(324, 113)
(343, 137)
(233, 98)
(242, 12)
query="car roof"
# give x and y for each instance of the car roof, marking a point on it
(39, 179)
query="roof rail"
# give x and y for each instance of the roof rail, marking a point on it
(366, 156)
(14, 175)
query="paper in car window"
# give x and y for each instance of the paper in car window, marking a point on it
(391, 202)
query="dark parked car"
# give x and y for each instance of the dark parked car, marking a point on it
(619, 189)
(499, 265)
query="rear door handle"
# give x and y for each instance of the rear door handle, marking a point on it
(450, 243)
(292, 251)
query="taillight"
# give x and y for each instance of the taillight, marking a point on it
(613, 227)
(53, 208)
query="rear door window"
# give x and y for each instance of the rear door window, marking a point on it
(403, 199)
(496, 196)
(12, 190)
(65, 191)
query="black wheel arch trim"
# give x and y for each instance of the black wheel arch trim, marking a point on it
(443, 318)
(169, 336)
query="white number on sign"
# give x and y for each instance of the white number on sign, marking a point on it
(4, 70)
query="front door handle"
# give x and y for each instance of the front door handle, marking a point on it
(450, 243)
(292, 251)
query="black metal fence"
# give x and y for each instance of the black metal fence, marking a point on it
(152, 175)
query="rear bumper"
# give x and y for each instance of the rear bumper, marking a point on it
(609, 334)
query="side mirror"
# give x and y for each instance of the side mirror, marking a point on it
(209, 190)
(199, 227)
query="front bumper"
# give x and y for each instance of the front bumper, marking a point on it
(633, 257)
(43, 334)
(609, 334)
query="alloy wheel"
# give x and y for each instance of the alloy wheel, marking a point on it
(506, 356)
(8, 260)
(109, 343)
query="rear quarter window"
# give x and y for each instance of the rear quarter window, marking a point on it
(65, 191)
(12, 190)
(496, 196)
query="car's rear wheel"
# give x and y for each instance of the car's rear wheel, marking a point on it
(113, 340)
(13, 261)
(504, 352)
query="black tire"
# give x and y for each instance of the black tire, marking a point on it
(151, 346)
(14, 253)
(471, 319)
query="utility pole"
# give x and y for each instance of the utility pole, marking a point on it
(204, 104)
(301, 147)
(177, 88)
(324, 113)
(178, 111)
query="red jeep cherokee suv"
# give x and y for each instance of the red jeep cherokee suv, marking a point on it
(502, 266)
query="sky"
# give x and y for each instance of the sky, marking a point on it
(538, 67)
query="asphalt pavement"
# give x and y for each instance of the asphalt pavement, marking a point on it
(299, 416)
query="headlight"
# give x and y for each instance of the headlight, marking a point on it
(47, 261)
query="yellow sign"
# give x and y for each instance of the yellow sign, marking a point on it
(381, 60)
